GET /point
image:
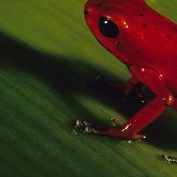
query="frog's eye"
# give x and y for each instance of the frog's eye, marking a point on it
(108, 28)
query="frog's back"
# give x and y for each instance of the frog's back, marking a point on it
(155, 38)
(162, 47)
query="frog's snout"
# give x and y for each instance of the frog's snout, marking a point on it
(90, 5)
(87, 10)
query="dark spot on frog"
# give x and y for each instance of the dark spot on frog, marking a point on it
(122, 4)
(98, 4)
(145, 9)
(120, 47)
(144, 25)
(168, 36)
(175, 28)
(85, 12)
(138, 51)
(141, 14)
(121, 11)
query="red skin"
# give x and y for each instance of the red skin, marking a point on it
(146, 43)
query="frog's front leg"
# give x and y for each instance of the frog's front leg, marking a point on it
(153, 109)
(89, 127)
(113, 131)
(147, 114)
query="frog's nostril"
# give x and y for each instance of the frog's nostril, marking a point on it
(88, 11)
(85, 12)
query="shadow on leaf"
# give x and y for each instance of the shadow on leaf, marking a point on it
(58, 73)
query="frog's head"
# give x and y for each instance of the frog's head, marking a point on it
(110, 21)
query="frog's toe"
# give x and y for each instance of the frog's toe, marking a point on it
(138, 137)
(91, 130)
(115, 121)
(78, 124)
(113, 131)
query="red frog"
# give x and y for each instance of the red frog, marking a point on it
(146, 43)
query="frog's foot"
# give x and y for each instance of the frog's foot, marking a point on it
(88, 127)
(138, 137)
(115, 131)
(169, 159)
(115, 121)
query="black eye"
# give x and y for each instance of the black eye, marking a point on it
(108, 28)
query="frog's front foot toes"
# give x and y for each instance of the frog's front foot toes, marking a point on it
(80, 124)
(138, 137)
(88, 127)
(115, 121)
(98, 77)
(114, 131)
(90, 130)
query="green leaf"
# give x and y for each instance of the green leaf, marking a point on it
(48, 57)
